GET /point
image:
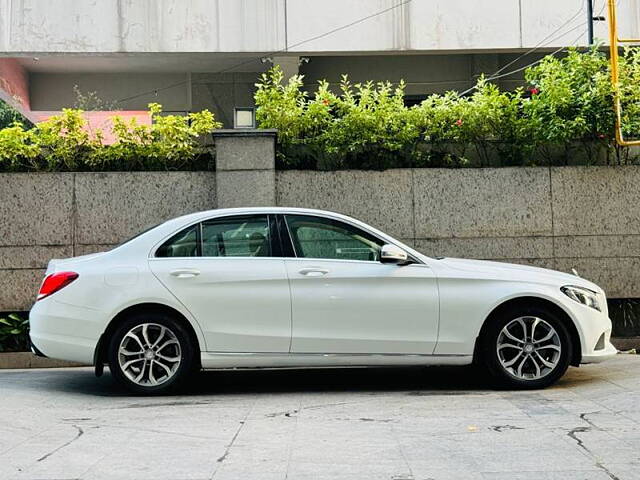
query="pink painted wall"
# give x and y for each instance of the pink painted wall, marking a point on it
(14, 89)
(14, 85)
(101, 120)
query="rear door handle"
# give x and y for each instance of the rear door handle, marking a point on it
(313, 271)
(185, 273)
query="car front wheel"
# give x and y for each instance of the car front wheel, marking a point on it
(150, 353)
(527, 349)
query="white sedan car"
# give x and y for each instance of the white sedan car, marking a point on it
(287, 287)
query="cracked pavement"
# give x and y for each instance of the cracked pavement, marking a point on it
(396, 424)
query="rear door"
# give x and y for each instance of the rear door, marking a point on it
(225, 273)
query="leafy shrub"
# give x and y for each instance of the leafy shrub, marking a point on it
(573, 101)
(565, 112)
(14, 333)
(9, 115)
(65, 143)
(366, 126)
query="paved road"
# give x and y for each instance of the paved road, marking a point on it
(439, 423)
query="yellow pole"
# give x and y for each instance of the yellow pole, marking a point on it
(614, 41)
(613, 58)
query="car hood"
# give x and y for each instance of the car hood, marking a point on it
(511, 271)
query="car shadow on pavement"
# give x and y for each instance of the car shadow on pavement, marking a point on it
(413, 380)
(419, 381)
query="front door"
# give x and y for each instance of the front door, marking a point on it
(222, 270)
(344, 300)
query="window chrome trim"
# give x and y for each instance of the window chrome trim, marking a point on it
(284, 212)
(341, 220)
(154, 249)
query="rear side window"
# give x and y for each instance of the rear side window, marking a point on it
(245, 236)
(182, 244)
(236, 237)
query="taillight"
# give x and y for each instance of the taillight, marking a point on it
(54, 282)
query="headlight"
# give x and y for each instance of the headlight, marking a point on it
(582, 295)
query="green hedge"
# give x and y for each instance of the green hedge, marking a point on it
(563, 116)
(565, 112)
(66, 143)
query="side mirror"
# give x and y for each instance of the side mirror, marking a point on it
(392, 254)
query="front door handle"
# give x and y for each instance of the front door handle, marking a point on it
(185, 273)
(313, 271)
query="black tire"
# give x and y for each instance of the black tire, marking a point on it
(502, 376)
(180, 369)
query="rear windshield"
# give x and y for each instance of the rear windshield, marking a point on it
(138, 234)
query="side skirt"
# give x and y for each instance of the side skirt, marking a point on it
(215, 360)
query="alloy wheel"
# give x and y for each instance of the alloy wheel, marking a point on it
(149, 354)
(529, 348)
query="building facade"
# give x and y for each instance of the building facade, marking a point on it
(190, 55)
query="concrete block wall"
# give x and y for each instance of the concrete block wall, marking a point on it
(57, 215)
(562, 217)
(587, 218)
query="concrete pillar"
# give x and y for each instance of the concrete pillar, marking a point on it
(290, 66)
(484, 63)
(245, 167)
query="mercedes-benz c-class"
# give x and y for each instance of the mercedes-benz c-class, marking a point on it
(288, 287)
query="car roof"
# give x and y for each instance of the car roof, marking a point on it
(247, 210)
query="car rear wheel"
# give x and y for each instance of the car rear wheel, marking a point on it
(527, 348)
(150, 353)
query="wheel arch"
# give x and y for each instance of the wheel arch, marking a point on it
(528, 301)
(100, 354)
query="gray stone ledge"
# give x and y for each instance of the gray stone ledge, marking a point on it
(112, 207)
(381, 199)
(248, 152)
(626, 343)
(19, 360)
(18, 288)
(579, 246)
(491, 202)
(596, 200)
(36, 209)
(548, 263)
(619, 277)
(246, 188)
(493, 248)
(29, 257)
(87, 249)
(245, 132)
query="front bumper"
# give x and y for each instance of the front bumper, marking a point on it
(594, 328)
(598, 356)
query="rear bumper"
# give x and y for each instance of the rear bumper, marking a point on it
(71, 349)
(63, 332)
(35, 350)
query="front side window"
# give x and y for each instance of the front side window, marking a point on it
(317, 237)
(236, 237)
